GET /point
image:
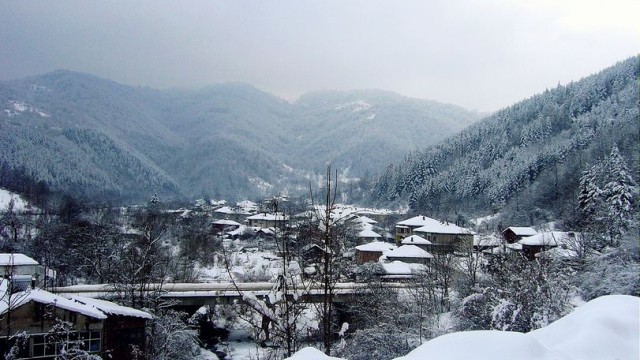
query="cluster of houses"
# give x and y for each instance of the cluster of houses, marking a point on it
(417, 240)
(99, 327)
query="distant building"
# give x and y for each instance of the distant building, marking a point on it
(25, 271)
(410, 254)
(443, 236)
(372, 251)
(515, 233)
(532, 245)
(266, 220)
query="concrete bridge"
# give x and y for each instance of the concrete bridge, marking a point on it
(189, 295)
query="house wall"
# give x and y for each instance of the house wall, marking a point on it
(448, 240)
(367, 256)
(402, 232)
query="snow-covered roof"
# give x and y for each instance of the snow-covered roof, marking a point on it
(429, 225)
(415, 240)
(415, 221)
(521, 231)
(401, 268)
(47, 298)
(378, 246)
(365, 220)
(368, 233)
(247, 204)
(226, 222)
(8, 259)
(266, 231)
(268, 217)
(111, 308)
(224, 210)
(409, 251)
(437, 227)
(550, 238)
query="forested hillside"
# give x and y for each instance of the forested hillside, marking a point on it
(95, 138)
(527, 158)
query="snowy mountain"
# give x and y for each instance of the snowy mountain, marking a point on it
(527, 159)
(92, 137)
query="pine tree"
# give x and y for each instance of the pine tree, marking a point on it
(619, 193)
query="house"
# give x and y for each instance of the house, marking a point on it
(405, 228)
(532, 245)
(225, 225)
(227, 212)
(25, 271)
(266, 220)
(313, 253)
(514, 233)
(372, 251)
(444, 236)
(100, 327)
(409, 254)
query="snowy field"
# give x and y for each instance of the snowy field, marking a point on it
(605, 328)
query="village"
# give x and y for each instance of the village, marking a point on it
(255, 243)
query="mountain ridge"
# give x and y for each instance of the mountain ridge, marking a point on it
(212, 140)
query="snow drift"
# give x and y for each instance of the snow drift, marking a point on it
(604, 328)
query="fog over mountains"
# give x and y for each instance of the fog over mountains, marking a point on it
(91, 137)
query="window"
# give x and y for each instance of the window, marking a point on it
(48, 345)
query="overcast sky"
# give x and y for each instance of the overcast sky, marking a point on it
(480, 54)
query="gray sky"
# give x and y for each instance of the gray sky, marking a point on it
(480, 54)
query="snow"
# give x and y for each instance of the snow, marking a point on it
(487, 240)
(415, 239)
(47, 298)
(483, 344)
(269, 217)
(365, 220)
(19, 204)
(409, 251)
(16, 259)
(428, 225)
(604, 328)
(521, 231)
(20, 107)
(376, 246)
(368, 233)
(399, 268)
(310, 353)
(355, 106)
(111, 308)
(551, 238)
(225, 210)
(226, 223)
